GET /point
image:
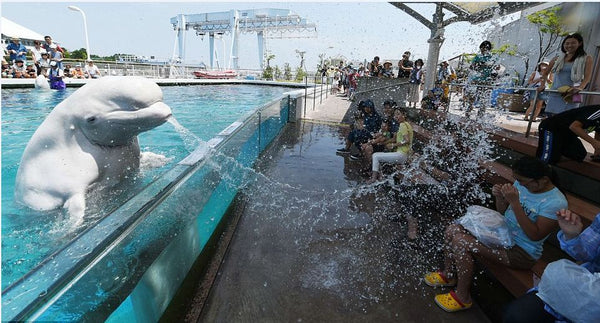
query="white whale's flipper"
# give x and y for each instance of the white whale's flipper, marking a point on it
(151, 160)
(75, 205)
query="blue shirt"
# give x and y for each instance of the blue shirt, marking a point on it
(584, 247)
(544, 204)
(18, 48)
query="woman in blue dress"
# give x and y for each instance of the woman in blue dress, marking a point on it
(572, 68)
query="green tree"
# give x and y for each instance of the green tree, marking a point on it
(277, 72)
(550, 24)
(300, 74)
(79, 54)
(268, 70)
(287, 72)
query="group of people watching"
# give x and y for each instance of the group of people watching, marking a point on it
(532, 205)
(46, 60)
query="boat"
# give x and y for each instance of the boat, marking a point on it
(215, 74)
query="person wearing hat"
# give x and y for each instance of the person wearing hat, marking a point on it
(19, 69)
(16, 50)
(534, 81)
(56, 76)
(6, 69)
(368, 121)
(56, 56)
(387, 70)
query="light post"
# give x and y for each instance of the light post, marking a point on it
(87, 40)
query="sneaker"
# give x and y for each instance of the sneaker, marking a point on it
(343, 151)
(355, 157)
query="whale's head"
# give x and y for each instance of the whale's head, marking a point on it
(112, 110)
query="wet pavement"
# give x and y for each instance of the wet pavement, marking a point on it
(316, 244)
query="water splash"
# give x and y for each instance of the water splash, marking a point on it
(190, 140)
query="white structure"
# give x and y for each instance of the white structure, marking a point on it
(12, 29)
(266, 23)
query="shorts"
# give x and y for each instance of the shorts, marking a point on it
(519, 258)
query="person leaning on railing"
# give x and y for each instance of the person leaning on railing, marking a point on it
(559, 135)
(573, 68)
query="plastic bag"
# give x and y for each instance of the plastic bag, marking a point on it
(571, 290)
(488, 226)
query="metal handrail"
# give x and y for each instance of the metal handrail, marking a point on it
(521, 89)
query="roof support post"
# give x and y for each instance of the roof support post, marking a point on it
(435, 43)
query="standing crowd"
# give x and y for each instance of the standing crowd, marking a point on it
(46, 61)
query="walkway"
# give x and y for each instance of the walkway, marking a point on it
(313, 245)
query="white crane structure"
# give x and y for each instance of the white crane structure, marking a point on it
(266, 23)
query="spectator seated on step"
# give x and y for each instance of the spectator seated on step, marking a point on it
(370, 120)
(380, 141)
(567, 291)
(530, 206)
(560, 133)
(399, 149)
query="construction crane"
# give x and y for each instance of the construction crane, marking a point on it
(266, 23)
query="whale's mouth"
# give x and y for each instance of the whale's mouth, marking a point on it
(117, 128)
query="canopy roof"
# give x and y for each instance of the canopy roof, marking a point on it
(473, 12)
(12, 29)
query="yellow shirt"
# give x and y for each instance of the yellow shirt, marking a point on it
(404, 130)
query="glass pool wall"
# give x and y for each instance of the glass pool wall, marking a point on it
(130, 265)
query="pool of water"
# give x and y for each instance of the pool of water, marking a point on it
(28, 237)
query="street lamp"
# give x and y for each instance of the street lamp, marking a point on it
(87, 40)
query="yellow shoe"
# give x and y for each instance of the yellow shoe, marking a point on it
(449, 302)
(437, 279)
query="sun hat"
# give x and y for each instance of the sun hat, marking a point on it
(53, 63)
(387, 62)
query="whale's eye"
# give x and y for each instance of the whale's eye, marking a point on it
(91, 119)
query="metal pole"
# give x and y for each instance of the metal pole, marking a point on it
(326, 84)
(305, 94)
(321, 94)
(315, 93)
(535, 98)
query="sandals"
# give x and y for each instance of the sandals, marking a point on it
(437, 279)
(449, 302)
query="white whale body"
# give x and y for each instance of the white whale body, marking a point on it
(88, 140)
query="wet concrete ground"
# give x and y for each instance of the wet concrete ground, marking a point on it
(315, 244)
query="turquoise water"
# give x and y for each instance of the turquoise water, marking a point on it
(27, 236)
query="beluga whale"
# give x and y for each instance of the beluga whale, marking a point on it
(88, 141)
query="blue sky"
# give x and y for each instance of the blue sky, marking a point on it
(356, 30)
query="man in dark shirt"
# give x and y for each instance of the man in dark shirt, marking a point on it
(559, 134)
(405, 65)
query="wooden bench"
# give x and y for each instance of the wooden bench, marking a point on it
(517, 282)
